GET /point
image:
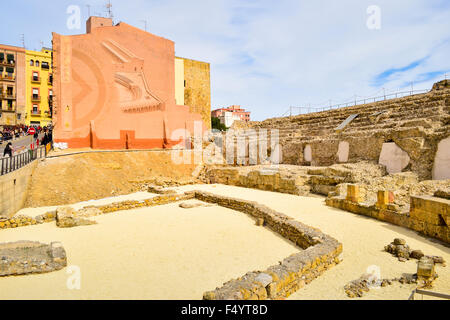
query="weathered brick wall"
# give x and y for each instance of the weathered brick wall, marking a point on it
(197, 91)
(320, 252)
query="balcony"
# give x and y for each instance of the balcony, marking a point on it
(35, 113)
(35, 79)
(8, 96)
(10, 63)
(7, 78)
(35, 97)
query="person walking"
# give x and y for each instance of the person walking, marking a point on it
(8, 150)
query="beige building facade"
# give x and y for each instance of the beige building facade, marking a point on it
(12, 85)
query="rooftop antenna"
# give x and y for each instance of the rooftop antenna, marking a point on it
(109, 10)
(145, 24)
(22, 39)
(42, 44)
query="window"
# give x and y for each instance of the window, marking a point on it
(44, 65)
(31, 62)
(9, 91)
(10, 71)
(50, 92)
(2, 56)
(35, 95)
(35, 108)
(37, 63)
(35, 76)
(10, 58)
(18, 116)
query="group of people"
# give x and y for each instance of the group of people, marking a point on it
(15, 131)
(22, 130)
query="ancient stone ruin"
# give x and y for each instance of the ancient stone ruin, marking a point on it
(25, 257)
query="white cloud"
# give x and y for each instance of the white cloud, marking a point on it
(268, 55)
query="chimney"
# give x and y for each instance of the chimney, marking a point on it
(97, 22)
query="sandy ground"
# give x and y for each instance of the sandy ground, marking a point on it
(162, 252)
(167, 252)
(363, 241)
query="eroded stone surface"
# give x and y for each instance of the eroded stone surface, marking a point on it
(24, 257)
(67, 217)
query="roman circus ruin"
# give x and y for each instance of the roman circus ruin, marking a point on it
(350, 203)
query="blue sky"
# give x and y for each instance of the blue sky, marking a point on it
(269, 55)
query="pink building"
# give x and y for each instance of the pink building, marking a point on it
(236, 110)
(114, 88)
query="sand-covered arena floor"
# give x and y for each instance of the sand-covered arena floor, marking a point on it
(363, 242)
(161, 252)
(167, 252)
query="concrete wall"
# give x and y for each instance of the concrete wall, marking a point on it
(13, 189)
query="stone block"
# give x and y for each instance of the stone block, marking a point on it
(353, 193)
(425, 268)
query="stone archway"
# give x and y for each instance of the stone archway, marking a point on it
(393, 157)
(441, 165)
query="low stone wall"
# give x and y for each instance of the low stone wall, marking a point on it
(428, 215)
(13, 189)
(260, 178)
(431, 216)
(22, 220)
(320, 252)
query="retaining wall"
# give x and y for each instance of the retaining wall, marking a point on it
(13, 189)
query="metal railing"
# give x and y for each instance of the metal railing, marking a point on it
(10, 164)
(305, 110)
(428, 293)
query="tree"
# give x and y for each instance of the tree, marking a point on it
(215, 124)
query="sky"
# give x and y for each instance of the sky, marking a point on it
(268, 55)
